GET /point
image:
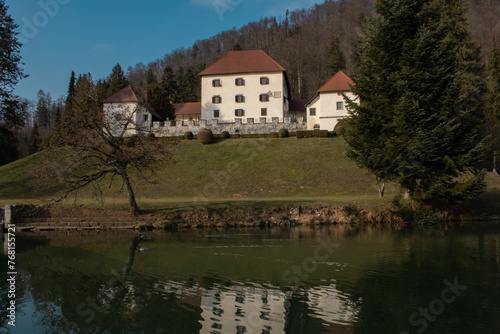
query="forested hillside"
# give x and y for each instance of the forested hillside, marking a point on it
(311, 44)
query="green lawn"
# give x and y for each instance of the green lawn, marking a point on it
(229, 172)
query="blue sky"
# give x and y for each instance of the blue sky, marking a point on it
(61, 36)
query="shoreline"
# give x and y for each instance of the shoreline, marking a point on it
(32, 218)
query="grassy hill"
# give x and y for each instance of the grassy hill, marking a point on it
(250, 171)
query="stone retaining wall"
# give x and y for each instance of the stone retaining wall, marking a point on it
(260, 126)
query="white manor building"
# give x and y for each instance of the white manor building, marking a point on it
(242, 92)
(329, 106)
(246, 85)
(124, 109)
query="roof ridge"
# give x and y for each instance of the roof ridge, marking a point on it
(247, 61)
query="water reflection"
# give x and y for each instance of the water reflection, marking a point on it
(233, 281)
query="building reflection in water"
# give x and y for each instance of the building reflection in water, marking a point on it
(257, 309)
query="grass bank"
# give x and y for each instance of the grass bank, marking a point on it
(235, 172)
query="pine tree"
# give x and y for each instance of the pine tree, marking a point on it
(158, 95)
(492, 108)
(43, 110)
(117, 79)
(34, 140)
(420, 87)
(337, 58)
(184, 90)
(168, 84)
(11, 113)
(68, 108)
(10, 57)
(103, 89)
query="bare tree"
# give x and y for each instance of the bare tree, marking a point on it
(103, 146)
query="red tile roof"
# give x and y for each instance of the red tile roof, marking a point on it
(298, 105)
(338, 83)
(127, 94)
(243, 62)
(191, 108)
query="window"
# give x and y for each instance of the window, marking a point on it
(312, 112)
(277, 95)
(264, 81)
(264, 97)
(240, 98)
(263, 111)
(240, 82)
(340, 105)
(216, 113)
(216, 83)
(145, 118)
(216, 99)
(239, 112)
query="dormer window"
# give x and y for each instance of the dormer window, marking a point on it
(240, 82)
(216, 83)
(264, 81)
(264, 98)
(240, 98)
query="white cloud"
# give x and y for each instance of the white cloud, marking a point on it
(103, 46)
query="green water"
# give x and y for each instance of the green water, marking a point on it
(338, 279)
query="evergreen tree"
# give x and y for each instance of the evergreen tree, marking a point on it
(57, 133)
(151, 81)
(492, 107)
(42, 110)
(68, 108)
(420, 87)
(184, 90)
(8, 145)
(117, 79)
(10, 57)
(34, 140)
(103, 89)
(11, 110)
(337, 58)
(168, 84)
(158, 95)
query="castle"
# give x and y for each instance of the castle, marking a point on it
(244, 92)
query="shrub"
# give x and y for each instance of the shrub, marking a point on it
(254, 135)
(205, 136)
(283, 133)
(311, 134)
(304, 134)
(225, 135)
(235, 136)
(188, 135)
(339, 130)
(152, 135)
(320, 133)
(341, 123)
(274, 135)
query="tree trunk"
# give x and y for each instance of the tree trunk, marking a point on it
(381, 189)
(495, 169)
(134, 210)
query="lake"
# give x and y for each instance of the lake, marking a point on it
(320, 279)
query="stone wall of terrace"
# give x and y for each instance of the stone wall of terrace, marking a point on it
(260, 126)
